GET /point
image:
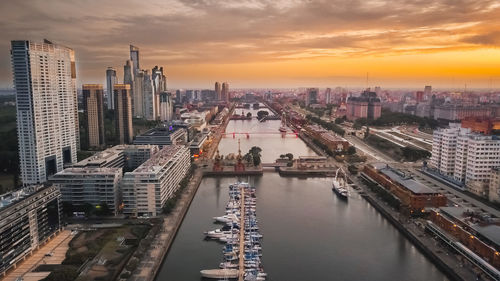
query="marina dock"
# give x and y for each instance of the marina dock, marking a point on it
(242, 252)
(242, 236)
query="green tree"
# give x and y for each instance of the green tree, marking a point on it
(289, 156)
(351, 150)
(255, 152)
(262, 113)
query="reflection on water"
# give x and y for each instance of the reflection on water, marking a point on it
(308, 233)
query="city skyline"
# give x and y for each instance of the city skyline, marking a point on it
(271, 43)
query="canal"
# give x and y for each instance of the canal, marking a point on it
(309, 234)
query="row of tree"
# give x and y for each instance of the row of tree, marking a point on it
(389, 118)
(326, 124)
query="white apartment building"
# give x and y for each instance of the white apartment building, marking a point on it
(464, 156)
(444, 145)
(47, 108)
(146, 189)
(494, 186)
(90, 185)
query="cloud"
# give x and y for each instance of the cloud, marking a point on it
(176, 32)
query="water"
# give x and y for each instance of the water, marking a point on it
(309, 234)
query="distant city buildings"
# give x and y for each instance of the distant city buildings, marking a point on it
(166, 107)
(365, 106)
(225, 91)
(29, 217)
(47, 108)
(147, 188)
(312, 96)
(218, 91)
(328, 96)
(123, 113)
(93, 107)
(110, 83)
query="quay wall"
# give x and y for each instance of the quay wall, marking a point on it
(447, 270)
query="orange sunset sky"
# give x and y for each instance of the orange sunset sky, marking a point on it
(280, 43)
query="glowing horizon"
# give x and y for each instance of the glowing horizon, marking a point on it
(264, 43)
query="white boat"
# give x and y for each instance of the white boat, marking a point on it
(220, 273)
(228, 265)
(227, 218)
(340, 185)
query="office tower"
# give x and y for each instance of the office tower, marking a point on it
(110, 82)
(312, 96)
(134, 57)
(328, 96)
(128, 79)
(218, 92)
(159, 85)
(178, 97)
(123, 113)
(225, 91)
(166, 106)
(428, 91)
(149, 98)
(93, 106)
(47, 108)
(127, 74)
(29, 217)
(138, 107)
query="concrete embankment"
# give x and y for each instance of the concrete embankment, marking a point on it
(419, 242)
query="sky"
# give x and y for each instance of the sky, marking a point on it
(270, 43)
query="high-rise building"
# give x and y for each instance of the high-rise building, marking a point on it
(166, 106)
(123, 113)
(110, 82)
(178, 96)
(134, 57)
(139, 105)
(47, 108)
(147, 188)
(218, 91)
(148, 97)
(312, 96)
(93, 106)
(328, 96)
(427, 91)
(29, 217)
(225, 91)
(127, 74)
(159, 85)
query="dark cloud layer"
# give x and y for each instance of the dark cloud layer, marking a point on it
(221, 31)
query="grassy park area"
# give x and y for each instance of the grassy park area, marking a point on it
(99, 254)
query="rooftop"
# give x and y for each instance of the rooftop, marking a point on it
(491, 232)
(13, 197)
(89, 170)
(401, 178)
(160, 131)
(158, 160)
